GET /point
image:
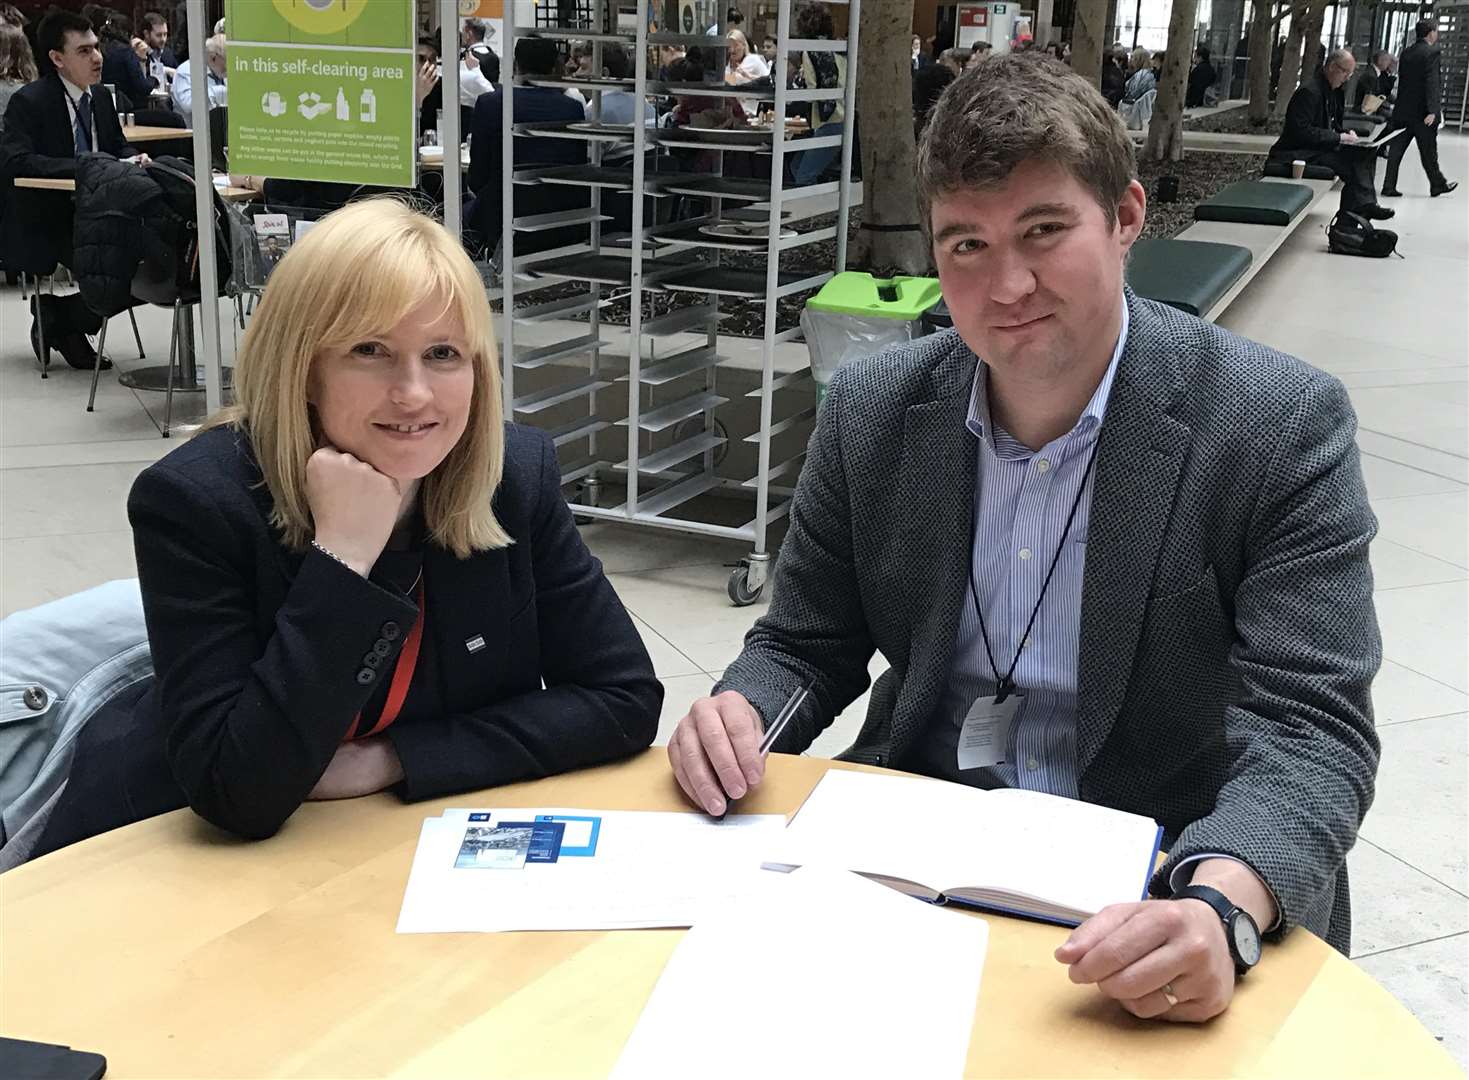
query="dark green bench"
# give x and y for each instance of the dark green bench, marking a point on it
(1256, 202)
(1190, 275)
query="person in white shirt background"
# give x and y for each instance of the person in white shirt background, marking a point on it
(182, 90)
(479, 66)
(743, 66)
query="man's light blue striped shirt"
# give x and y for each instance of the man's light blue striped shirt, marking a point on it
(1022, 500)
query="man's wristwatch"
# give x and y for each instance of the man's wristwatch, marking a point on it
(1240, 930)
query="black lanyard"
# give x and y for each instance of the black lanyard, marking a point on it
(1006, 686)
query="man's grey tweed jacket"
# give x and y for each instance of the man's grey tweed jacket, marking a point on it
(1228, 639)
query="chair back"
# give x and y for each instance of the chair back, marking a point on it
(219, 135)
(174, 276)
(63, 664)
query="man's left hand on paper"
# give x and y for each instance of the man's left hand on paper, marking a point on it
(1132, 952)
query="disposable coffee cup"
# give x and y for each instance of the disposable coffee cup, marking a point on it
(1297, 169)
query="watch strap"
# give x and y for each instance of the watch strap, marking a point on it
(1223, 906)
(1227, 910)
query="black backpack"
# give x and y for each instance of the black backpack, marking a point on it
(1352, 234)
(177, 225)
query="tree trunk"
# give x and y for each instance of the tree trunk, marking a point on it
(1291, 72)
(1088, 40)
(1310, 55)
(892, 235)
(1165, 130)
(1262, 34)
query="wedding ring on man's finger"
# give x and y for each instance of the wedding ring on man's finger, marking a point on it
(1167, 992)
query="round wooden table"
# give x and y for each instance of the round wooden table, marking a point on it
(178, 951)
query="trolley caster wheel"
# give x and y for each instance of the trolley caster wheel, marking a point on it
(739, 590)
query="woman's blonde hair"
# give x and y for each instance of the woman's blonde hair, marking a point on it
(353, 276)
(1139, 59)
(738, 36)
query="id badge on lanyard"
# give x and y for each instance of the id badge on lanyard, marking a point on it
(984, 740)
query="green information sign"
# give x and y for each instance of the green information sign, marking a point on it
(323, 90)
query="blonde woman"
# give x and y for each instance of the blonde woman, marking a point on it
(1140, 75)
(743, 66)
(359, 577)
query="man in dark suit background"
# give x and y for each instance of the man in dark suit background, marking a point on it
(534, 57)
(1313, 133)
(1420, 94)
(47, 125)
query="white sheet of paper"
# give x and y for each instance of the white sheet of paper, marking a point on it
(819, 973)
(649, 870)
(985, 738)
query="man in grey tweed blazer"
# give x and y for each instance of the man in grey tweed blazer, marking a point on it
(1151, 531)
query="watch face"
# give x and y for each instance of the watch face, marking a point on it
(1246, 938)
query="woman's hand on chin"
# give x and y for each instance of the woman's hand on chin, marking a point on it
(358, 768)
(353, 505)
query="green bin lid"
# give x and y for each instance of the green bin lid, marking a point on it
(854, 293)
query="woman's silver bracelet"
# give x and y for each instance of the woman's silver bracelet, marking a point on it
(330, 554)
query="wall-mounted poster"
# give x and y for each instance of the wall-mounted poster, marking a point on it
(322, 90)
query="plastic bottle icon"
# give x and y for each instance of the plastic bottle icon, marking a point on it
(368, 114)
(343, 112)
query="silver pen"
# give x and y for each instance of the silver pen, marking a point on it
(792, 706)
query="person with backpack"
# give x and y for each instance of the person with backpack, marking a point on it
(48, 125)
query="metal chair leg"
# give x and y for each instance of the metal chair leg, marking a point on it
(41, 327)
(97, 365)
(137, 336)
(173, 354)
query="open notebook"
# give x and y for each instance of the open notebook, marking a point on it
(1009, 850)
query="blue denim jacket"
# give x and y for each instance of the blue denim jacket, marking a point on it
(59, 663)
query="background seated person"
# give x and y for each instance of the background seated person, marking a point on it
(158, 58)
(1128, 546)
(1313, 133)
(705, 111)
(122, 69)
(1376, 78)
(533, 56)
(360, 577)
(182, 89)
(1140, 75)
(1114, 76)
(1200, 78)
(47, 124)
(619, 106)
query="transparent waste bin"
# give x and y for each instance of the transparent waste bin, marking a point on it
(855, 315)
